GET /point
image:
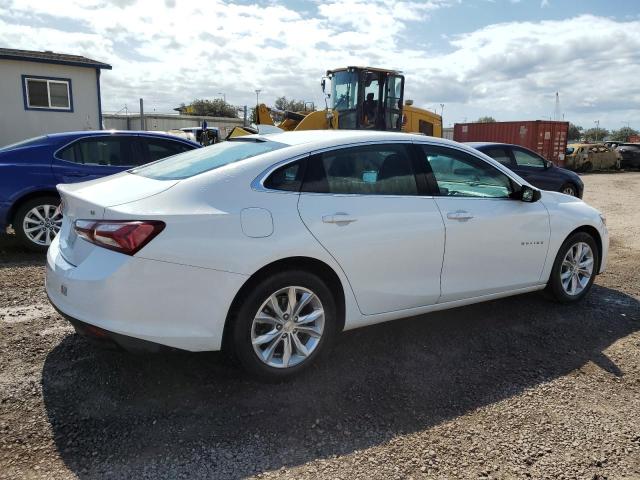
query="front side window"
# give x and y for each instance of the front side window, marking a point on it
(47, 93)
(104, 151)
(460, 175)
(499, 154)
(526, 159)
(367, 170)
(202, 160)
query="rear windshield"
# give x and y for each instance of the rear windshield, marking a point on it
(202, 160)
(23, 143)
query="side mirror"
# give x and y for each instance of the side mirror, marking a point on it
(548, 164)
(530, 195)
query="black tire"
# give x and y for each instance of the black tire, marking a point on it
(241, 344)
(554, 286)
(18, 221)
(569, 189)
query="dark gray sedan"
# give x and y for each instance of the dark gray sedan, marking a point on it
(532, 167)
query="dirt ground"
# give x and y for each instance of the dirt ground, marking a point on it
(515, 388)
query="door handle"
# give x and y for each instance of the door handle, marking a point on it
(339, 218)
(460, 215)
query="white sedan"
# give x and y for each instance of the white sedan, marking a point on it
(268, 246)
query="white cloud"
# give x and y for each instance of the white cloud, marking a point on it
(169, 55)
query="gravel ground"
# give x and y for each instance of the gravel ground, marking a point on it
(515, 388)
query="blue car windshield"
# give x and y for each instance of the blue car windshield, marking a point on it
(23, 143)
(202, 160)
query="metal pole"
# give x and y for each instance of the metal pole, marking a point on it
(141, 114)
(224, 96)
(597, 122)
(244, 123)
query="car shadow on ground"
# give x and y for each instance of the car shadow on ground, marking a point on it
(12, 253)
(115, 414)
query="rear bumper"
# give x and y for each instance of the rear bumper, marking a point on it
(109, 339)
(128, 298)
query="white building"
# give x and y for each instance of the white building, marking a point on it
(46, 92)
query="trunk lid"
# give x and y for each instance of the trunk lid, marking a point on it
(88, 201)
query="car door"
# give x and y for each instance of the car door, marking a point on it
(366, 208)
(533, 168)
(494, 243)
(93, 157)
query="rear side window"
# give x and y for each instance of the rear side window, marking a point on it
(106, 151)
(287, 177)
(368, 170)
(499, 154)
(160, 148)
(205, 159)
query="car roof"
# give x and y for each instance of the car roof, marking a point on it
(344, 136)
(95, 133)
(491, 144)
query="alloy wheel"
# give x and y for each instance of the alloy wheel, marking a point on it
(42, 223)
(569, 190)
(577, 268)
(288, 327)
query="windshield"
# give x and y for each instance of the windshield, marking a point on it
(344, 92)
(200, 160)
(23, 143)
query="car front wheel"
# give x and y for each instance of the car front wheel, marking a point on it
(574, 269)
(37, 222)
(284, 324)
(569, 189)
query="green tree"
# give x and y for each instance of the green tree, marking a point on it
(623, 134)
(212, 108)
(575, 132)
(595, 134)
(486, 119)
(282, 103)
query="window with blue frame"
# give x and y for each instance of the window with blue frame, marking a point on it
(42, 93)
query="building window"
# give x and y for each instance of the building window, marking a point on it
(42, 93)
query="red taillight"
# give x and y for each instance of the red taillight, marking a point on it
(122, 236)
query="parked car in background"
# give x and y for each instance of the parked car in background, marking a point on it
(629, 155)
(31, 169)
(268, 246)
(532, 167)
(584, 157)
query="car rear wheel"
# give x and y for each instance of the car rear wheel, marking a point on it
(286, 322)
(569, 189)
(574, 269)
(37, 222)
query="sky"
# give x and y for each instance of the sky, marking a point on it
(503, 58)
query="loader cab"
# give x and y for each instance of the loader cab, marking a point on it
(366, 98)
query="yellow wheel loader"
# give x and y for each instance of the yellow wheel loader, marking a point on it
(361, 98)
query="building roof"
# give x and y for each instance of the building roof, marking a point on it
(51, 57)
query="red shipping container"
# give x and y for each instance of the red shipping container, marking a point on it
(634, 138)
(545, 137)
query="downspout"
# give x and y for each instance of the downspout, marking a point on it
(99, 99)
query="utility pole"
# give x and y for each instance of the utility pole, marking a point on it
(258, 97)
(597, 122)
(224, 97)
(141, 114)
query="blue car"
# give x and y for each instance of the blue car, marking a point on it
(31, 169)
